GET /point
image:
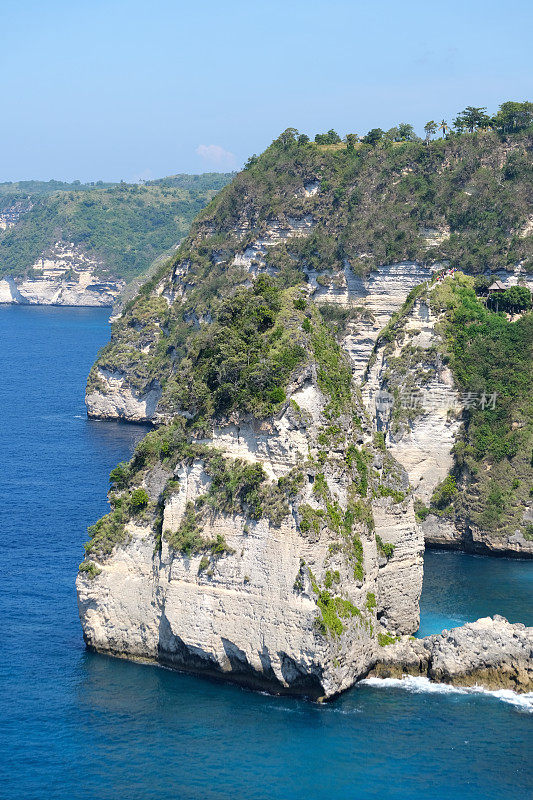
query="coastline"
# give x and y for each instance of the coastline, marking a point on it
(83, 704)
(86, 293)
(462, 545)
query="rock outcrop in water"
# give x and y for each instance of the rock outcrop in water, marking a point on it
(490, 652)
(265, 532)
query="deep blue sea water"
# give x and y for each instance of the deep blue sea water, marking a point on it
(77, 725)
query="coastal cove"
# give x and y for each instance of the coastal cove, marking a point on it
(83, 725)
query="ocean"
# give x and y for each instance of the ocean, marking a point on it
(79, 725)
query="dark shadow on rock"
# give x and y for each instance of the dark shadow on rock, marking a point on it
(236, 657)
(299, 679)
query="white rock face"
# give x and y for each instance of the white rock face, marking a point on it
(279, 444)
(311, 189)
(441, 532)
(66, 276)
(9, 292)
(243, 622)
(400, 577)
(116, 400)
(517, 276)
(250, 615)
(423, 439)
(378, 296)
(253, 257)
(57, 292)
(423, 445)
(422, 442)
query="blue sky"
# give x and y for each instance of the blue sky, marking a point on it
(121, 89)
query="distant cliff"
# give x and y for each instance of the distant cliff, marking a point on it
(78, 244)
(266, 531)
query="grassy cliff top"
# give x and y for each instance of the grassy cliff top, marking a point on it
(374, 203)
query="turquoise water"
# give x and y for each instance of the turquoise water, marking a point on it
(460, 588)
(78, 725)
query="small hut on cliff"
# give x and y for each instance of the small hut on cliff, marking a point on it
(496, 288)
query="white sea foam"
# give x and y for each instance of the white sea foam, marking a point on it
(522, 702)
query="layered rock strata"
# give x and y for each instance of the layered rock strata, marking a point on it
(114, 398)
(56, 291)
(289, 605)
(411, 394)
(65, 276)
(275, 544)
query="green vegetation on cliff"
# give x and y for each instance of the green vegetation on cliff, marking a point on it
(256, 339)
(373, 205)
(374, 202)
(244, 358)
(491, 359)
(235, 487)
(490, 356)
(221, 339)
(332, 609)
(123, 226)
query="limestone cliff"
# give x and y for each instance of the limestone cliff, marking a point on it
(117, 391)
(79, 244)
(66, 276)
(85, 290)
(265, 551)
(265, 531)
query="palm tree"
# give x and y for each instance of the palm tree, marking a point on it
(444, 127)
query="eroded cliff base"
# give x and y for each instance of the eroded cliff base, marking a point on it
(442, 534)
(490, 653)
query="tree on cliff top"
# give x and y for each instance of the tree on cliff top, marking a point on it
(288, 137)
(373, 136)
(471, 119)
(331, 137)
(430, 129)
(513, 117)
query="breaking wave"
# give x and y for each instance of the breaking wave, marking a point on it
(417, 685)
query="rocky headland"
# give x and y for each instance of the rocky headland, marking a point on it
(270, 530)
(80, 244)
(87, 291)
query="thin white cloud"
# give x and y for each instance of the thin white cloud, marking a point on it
(216, 155)
(145, 175)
